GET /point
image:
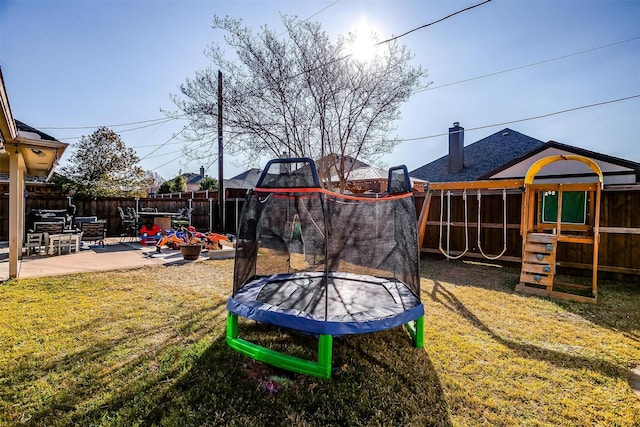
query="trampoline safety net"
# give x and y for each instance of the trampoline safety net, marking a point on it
(326, 256)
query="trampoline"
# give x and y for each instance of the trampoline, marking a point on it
(323, 263)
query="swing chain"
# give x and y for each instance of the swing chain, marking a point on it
(504, 226)
(466, 225)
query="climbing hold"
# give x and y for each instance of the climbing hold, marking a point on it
(537, 277)
(539, 256)
(546, 269)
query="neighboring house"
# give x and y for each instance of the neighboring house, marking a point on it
(476, 160)
(362, 178)
(235, 187)
(372, 179)
(508, 154)
(244, 181)
(329, 165)
(614, 169)
(194, 179)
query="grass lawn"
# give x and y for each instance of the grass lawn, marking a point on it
(147, 347)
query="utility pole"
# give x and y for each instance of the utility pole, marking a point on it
(220, 157)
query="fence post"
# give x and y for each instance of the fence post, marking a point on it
(211, 214)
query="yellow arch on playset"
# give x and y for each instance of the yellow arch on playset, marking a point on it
(539, 164)
(539, 247)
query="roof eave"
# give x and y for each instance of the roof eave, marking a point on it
(53, 151)
(8, 127)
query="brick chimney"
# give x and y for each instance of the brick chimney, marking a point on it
(456, 148)
(201, 171)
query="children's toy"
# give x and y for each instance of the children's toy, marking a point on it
(189, 235)
(150, 234)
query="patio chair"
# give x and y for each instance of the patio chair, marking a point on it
(63, 243)
(132, 212)
(55, 227)
(128, 223)
(52, 215)
(94, 232)
(183, 218)
(47, 228)
(34, 243)
(77, 220)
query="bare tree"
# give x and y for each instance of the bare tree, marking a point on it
(300, 96)
(153, 181)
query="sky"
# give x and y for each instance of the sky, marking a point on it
(70, 66)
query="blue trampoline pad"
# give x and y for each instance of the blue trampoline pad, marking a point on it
(337, 304)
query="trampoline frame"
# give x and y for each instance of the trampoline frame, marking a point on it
(321, 367)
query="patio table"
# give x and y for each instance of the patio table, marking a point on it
(161, 219)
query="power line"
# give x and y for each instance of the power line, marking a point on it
(161, 119)
(305, 19)
(473, 128)
(162, 145)
(320, 11)
(162, 155)
(146, 126)
(152, 145)
(189, 160)
(165, 143)
(528, 65)
(429, 136)
(342, 58)
(541, 116)
(165, 120)
(432, 23)
(164, 164)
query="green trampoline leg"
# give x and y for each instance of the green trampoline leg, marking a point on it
(325, 349)
(416, 330)
(232, 326)
(321, 368)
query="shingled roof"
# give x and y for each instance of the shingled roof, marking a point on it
(246, 180)
(192, 178)
(23, 127)
(481, 157)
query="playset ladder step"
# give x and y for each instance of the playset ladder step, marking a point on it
(539, 261)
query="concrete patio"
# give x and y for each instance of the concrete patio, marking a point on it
(115, 255)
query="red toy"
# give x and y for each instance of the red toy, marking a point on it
(149, 236)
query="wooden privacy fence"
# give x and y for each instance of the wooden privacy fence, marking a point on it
(619, 226)
(204, 216)
(619, 221)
